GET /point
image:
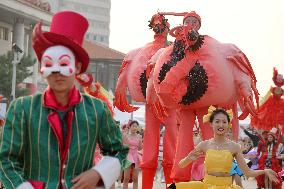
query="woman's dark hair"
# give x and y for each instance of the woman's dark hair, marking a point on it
(132, 122)
(218, 111)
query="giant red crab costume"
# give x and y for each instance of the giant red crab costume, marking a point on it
(271, 112)
(134, 76)
(269, 115)
(197, 71)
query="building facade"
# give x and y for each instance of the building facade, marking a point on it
(104, 64)
(96, 11)
(17, 20)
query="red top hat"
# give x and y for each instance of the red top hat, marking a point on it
(68, 29)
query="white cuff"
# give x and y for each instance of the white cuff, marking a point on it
(109, 169)
(25, 185)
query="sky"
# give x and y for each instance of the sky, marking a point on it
(255, 26)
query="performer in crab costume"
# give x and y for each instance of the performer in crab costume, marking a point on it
(50, 138)
(271, 112)
(134, 76)
(195, 72)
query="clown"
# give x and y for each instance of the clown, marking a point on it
(50, 138)
(195, 72)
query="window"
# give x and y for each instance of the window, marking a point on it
(101, 25)
(3, 33)
(95, 37)
(101, 38)
(103, 73)
(114, 69)
(106, 39)
(100, 11)
(87, 36)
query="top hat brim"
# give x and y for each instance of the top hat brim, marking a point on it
(80, 53)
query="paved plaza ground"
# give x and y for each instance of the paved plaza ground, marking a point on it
(247, 184)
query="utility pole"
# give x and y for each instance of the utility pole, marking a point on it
(14, 62)
(17, 48)
(18, 54)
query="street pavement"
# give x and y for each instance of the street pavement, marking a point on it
(247, 184)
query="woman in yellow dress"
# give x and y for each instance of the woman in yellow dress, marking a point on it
(219, 154)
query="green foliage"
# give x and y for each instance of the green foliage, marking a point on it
(6, 72)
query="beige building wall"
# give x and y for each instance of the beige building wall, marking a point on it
(98, 14)
(27, 13)
(5, 37)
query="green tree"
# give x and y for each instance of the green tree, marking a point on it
(6, 72)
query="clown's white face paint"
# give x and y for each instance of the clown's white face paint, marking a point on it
(58, 59)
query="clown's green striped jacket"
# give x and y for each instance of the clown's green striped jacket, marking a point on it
(29, 149)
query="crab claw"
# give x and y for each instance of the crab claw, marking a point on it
(123, 66)
(244, 114)
(149, 69)
(84, 79)
(120, 101)
(167, 94)
(275, 72)
(250, 106)
(159, 111)
(247, 107)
